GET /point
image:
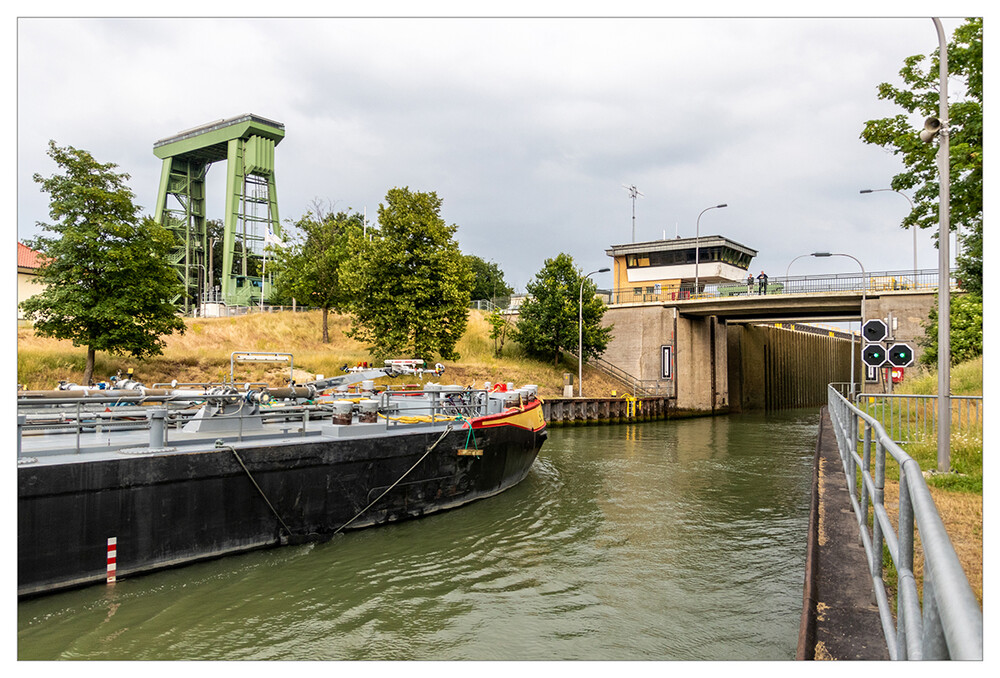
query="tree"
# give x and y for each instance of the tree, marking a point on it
(409, 282)
(966, 323)
(549, 320)
(500, 326)
(487, 280)
(106, 277)
(899, 135)
(309, 269)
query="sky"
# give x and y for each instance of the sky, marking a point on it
(529, 129)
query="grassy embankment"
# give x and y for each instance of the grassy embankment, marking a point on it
(958, 495)
(202, 354)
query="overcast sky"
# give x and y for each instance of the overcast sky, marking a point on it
(527, 129)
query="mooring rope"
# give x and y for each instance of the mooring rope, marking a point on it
(250, 475)
(447, 430)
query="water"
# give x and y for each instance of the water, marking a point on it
(657, 541)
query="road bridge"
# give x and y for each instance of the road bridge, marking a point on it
(707, 348)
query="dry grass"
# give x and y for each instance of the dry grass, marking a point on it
(202, 354)
(962, 515)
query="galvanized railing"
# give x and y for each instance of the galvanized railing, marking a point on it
(640, 387)
(949, 623)
(803, 284)
(910, 418)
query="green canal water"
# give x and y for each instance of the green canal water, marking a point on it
(676, 540)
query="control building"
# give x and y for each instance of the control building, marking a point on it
(665, 270)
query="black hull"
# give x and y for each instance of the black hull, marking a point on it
(169, 510)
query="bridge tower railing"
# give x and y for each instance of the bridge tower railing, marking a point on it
(945, 622)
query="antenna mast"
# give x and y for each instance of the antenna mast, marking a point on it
(633, 193)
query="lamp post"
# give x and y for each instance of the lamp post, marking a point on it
(864, 292)
(939, 128)
(914, 227)
(579, 347)
(697, 237)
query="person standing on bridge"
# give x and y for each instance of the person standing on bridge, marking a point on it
(762, 283)
(749, 284)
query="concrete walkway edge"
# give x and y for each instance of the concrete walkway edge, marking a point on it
(839, 618)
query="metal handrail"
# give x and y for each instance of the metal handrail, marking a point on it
(949, 623)
(925, 280)
(47, 416)
(912, 417)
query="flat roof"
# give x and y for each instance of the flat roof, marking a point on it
(209, 142)
(218, 124)
(678, 244)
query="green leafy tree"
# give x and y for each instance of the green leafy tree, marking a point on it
(899, 135)
(409, 282)
(500, 326)
(966, 324)
(309, 269)
(106, 277)
(487, 280)
(549, 321)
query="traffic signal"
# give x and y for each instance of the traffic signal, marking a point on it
(873, 355)
(900, 355)
(874, 330)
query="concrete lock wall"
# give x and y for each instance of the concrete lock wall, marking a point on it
(774, 368)
(719, 367)
(698, 349)
(639, 333)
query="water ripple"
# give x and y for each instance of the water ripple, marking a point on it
(673, 540)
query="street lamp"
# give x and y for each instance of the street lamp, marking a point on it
(914, 227)
(697, 236)
(939, 128)
(579, 348)
(864, 291)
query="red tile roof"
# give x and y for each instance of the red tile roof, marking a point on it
(27, 257)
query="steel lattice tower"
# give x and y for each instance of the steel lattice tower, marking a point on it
(247, 144)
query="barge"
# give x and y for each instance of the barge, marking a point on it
(124, 480)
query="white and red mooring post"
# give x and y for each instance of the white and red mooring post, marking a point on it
(112, 559)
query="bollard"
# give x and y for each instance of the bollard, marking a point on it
(157, 419)
(369, 412)
(342, 412)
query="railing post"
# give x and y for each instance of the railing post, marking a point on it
(909, 624)
(878, 500)
(866, 461)
(932, 640)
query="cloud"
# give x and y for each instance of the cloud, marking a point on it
(526, 128)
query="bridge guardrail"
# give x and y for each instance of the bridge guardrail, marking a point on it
(817, 284)
(948, 624)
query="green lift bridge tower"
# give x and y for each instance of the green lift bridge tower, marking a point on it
(246, 143)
